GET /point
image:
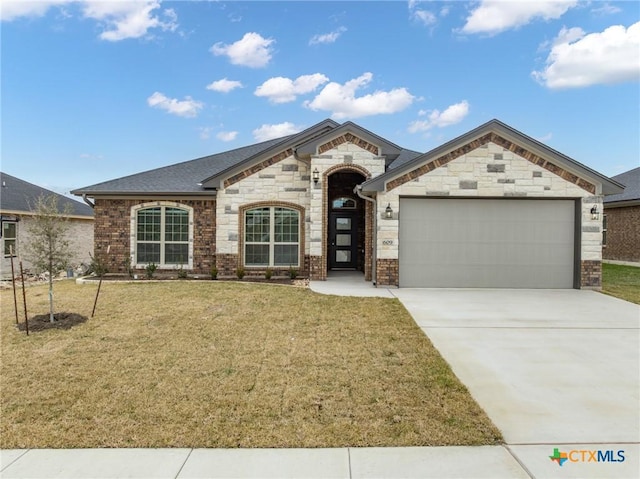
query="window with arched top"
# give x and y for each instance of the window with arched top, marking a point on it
(343, 203)
(162, 235)
(272, 236)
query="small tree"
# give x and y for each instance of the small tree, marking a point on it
(48, 248)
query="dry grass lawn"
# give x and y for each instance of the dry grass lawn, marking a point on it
(213, 364)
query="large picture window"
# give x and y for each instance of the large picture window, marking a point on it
(272, 237)
(162, 235)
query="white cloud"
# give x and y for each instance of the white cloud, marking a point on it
(121, 19)
(227, 135)
(579, 60)
(224, 85)
(425, 16)
(284, 90)
(129, 19)
(251, 51)
(327, 37)
(341, 100)
(12, 9)
(495, 16)
(269, 132)
(546, 137)
(187, 108)
(452, 115)
(606, 9)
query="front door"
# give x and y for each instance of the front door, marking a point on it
(343, 240)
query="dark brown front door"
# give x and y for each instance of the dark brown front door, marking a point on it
(343, 240)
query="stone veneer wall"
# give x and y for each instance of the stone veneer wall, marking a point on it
(112, 228)
(344, 153)
(283, 178)
(623, 233)
(492, 170)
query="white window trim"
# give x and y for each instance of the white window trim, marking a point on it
(133, 240)
(604, 230)
(272, 243)
(15, 249)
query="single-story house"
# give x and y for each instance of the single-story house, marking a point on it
(621, 224)
(17, 200)
(491, 208)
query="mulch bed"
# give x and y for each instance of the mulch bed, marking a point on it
(42, 322)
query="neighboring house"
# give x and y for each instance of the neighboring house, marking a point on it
(491, 208)
(17, 200)
(621, 228)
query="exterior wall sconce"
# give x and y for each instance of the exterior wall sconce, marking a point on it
(316, 176)
(388, 212)
(595, 214)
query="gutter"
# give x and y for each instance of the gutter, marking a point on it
(374, 266)
(86, 200)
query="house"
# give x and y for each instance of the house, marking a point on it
(491, 208)
(621, 225)
(17, 200)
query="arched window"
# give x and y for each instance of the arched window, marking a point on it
(271, 237)
(162, 235)
(343, 203)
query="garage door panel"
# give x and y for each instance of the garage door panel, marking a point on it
(487, 243)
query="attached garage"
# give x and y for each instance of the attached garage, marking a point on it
(487, 243)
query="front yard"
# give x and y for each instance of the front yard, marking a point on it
(621, 281)
(210, 364)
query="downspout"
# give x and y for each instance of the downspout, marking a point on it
(374, 267)
(86, 200)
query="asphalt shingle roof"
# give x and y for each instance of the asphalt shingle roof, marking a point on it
(179, 178)
(20, 195)
(631, 181)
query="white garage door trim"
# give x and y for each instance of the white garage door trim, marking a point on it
(487, 243)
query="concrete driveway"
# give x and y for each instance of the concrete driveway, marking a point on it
(552, 369)
(548, 366)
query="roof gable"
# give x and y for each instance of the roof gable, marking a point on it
(19, 196)
(267, 157)
(350, 132)
(505, 136)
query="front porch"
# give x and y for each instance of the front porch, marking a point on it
(349, 283)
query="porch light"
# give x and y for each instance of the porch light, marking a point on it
(388, 212)
(595, 214)
(316, 176)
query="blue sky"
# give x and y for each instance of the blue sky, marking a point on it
(93, 91)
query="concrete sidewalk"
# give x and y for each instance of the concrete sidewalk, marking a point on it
(496, 462)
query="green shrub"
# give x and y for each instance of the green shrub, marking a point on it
(213, 272)
(240, 273)
(268, 273)
(151, 269)
(293, 273)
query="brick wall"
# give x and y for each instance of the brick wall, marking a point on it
(387, 272)
(623, 234)
(591, 274)
(113, 224)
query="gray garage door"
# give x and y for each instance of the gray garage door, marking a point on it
(486, 243)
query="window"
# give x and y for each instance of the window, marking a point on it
(9, 236)
(604, 230)
(162, 235)
(343, 203)
(271, 237)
